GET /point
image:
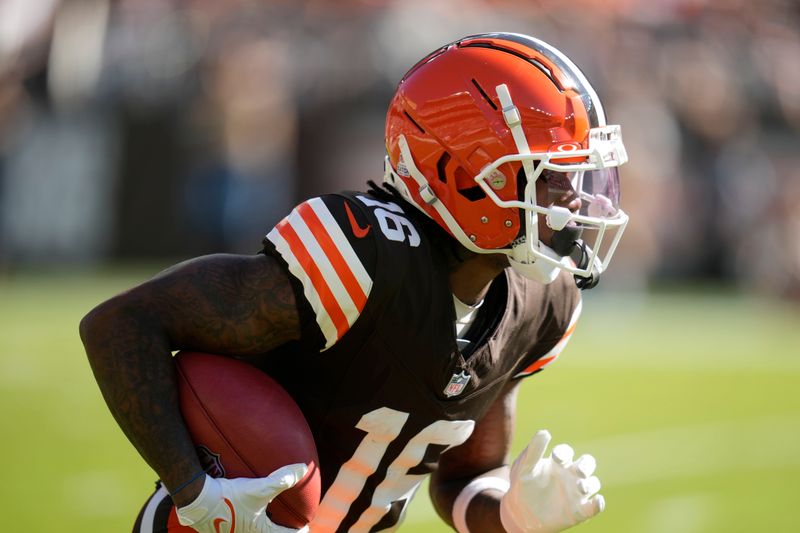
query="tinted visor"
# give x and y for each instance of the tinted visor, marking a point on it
(598, 190)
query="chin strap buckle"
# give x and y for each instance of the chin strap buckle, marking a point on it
(587, 283)
(427, 194)
(514, 122)
(580, 255)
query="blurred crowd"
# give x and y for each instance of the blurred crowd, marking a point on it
(155, 128)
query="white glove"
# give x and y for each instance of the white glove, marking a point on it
(549, 494)
(239, 505)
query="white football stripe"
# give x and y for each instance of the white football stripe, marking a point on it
(323, 318)
(575, 71)
(338, 236)
(329, 273)
(150, 511)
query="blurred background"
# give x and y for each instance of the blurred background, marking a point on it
(137, 133)
(150, 129)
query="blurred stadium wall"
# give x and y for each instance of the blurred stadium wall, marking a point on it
(161, 129)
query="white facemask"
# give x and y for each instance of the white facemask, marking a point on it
(539, 270)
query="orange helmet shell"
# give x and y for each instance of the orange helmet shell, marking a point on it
(448, 110)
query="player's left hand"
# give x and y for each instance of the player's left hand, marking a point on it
(239, 505)
(550, 494)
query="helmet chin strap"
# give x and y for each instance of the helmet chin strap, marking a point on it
(565, 240)
(546, 272)
(567, 247)
(580, 254)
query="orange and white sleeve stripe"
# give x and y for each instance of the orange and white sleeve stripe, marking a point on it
(335, 282)
(555, 351)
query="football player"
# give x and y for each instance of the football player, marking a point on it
(401, 319)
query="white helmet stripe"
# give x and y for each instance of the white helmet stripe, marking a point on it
(514, 122)
(566, 64)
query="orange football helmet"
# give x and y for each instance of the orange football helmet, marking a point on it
(472, 127)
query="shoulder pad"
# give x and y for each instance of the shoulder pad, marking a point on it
(566, 328)
(318, 252)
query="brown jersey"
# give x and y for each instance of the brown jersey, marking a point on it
(378, 371)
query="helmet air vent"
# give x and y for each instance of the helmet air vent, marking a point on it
(414, 122)
(441, 166)
(473, 194)
(535, 62)
(483, 93)
(546, 71)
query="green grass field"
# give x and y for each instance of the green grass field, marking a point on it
(691, 404)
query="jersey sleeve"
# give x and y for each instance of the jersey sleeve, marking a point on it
(557, 339)
(321, 244)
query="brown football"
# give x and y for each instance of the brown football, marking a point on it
(245, 424)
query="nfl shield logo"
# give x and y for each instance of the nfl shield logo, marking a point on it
(457, 384)
(210, 462)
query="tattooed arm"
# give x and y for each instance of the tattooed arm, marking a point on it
(225, 304)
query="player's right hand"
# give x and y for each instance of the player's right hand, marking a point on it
(550, 494)
(239, 505)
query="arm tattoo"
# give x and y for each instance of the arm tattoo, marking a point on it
(235, 305)
(224, 304)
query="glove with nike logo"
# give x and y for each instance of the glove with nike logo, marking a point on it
(550, 494)
(239, 505)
